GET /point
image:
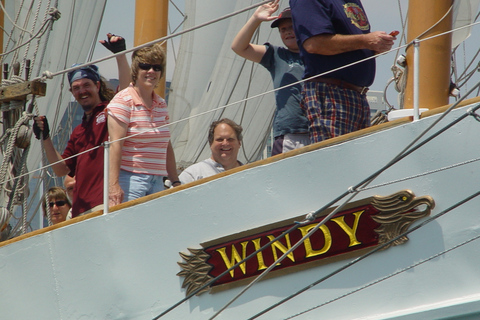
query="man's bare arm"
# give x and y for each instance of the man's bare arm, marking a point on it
(331, 44)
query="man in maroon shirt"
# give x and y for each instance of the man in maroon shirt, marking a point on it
(92, 94)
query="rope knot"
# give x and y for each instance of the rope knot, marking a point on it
(47, 75)
(473, 114)
(54, 13)
(27, 115)
(308, 218)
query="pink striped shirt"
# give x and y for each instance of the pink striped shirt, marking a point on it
(145, 153)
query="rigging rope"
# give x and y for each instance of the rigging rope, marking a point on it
(147, 44)
(293, 228)
(290, 250)
(188, 30)
(50, 14)
(354, 190)
(183, 119)
(6, 165)
(355, 261)
(19, 165)
(38, 34)
(421, 174)
(34, 23)
(5, 13)
(248, 8)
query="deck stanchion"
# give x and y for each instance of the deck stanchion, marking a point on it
(106, 175)
(416, 79)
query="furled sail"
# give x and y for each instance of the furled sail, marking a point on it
(209, 75)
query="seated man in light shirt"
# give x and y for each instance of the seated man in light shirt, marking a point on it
(225, 139)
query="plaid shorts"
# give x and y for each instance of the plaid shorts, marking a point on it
(333, 111)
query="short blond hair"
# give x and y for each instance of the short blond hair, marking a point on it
(154, 54)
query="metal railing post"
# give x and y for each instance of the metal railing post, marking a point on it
(106, 175)
(416, 79)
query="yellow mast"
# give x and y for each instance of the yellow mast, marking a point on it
(435, 54)
(151, 22)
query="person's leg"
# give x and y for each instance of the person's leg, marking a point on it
(134, 185)
(155, 184)
(320, 110)
(352, 112)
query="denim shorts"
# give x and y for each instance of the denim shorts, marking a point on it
(136, 185)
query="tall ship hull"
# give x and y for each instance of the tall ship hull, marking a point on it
(124, 265)
(381, 223)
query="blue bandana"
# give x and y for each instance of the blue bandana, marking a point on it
(89, 72)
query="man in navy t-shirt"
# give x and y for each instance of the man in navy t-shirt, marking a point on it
(332, 34)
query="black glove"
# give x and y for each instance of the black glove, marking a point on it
(46, 129)
(116, 46)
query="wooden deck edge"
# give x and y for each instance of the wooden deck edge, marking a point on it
(309, 148)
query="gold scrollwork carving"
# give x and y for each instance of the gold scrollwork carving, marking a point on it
(397, 212)
(195, 270)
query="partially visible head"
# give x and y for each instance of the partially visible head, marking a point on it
(88, 87)
(285, 27)
(152, 57)
(58, 203)
(225, 139)
(69, 184)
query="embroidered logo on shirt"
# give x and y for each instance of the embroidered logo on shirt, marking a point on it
(356, 16)
(100, 118)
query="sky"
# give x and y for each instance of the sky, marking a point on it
(119, 19)
(384, 15)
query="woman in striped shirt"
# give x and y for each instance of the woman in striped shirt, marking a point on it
(139, 117)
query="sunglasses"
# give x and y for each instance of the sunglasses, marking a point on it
(59, 203)
(147, 66)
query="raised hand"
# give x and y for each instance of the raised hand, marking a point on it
(264, 12)
(114, 43)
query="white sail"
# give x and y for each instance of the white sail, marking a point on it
(69, 40)
(464, 14)
(210, 75)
